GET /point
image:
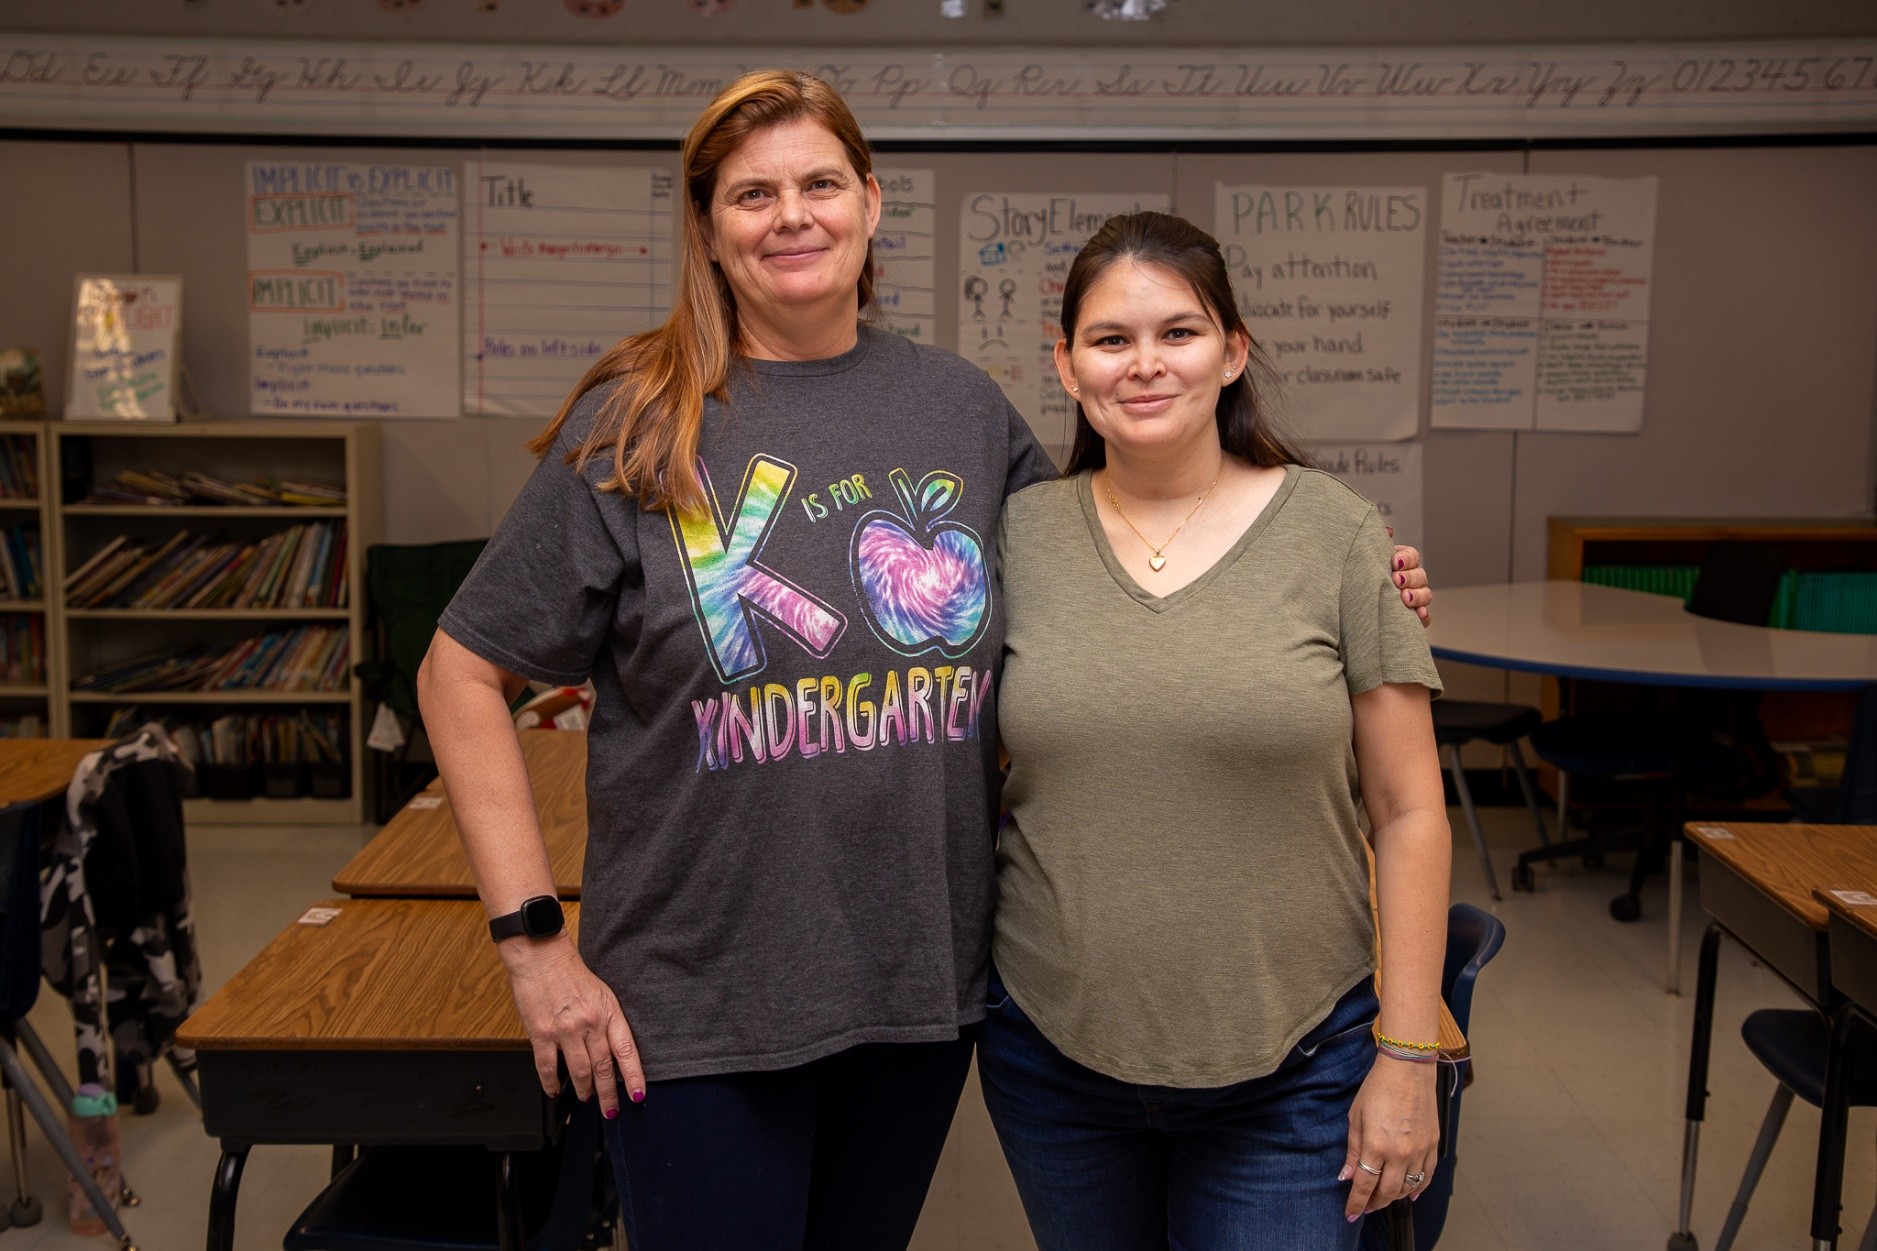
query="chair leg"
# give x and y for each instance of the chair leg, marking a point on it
(24, 1205)
(1472, 820)
(1869, 1241)
(55, 1134)
(187, 1080)
(1756, 1164)
(1564, 804)
(1524, 775)
(42, 1060)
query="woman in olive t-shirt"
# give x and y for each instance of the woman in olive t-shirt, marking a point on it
(1179, 1048)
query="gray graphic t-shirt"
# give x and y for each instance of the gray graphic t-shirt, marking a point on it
(791, 773)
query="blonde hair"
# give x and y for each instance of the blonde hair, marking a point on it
(652, 420)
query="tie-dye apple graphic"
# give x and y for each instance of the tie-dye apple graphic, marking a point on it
(923, 581)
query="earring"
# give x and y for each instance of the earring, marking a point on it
(1228, 375)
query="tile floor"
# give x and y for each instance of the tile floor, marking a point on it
(1571, 1138)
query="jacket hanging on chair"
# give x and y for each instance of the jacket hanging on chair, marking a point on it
(117, 865)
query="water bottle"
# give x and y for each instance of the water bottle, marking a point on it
(100, 1144)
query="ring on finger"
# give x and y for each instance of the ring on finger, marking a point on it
(1373, 1172)
(1412, 1180)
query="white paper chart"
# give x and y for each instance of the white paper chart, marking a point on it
(352, 294)
(1014, 254)
(1541, 305)
(560, 263)
(904, 251)
(1388, 475)
(1330, 280)
(126, 334)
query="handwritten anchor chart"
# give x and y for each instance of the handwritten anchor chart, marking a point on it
(1388, 475)
(1330, 280)
(560, 263)
(1541, 304)
(904, 248)
(1014, 255)
(352, 300)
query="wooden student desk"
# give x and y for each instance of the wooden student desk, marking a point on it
(417, 854)
(1759, 883)
(393, 1023)
(34, 770)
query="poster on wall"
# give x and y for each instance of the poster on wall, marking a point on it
(1330, 281)
(126, 348)
(904, 248)
(1388, 475)
(560, 262)
(1541, 303)
(352, 290)
(1014, 254)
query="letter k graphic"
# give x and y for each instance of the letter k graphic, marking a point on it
(731, 587)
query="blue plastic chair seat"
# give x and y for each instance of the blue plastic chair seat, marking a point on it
(1458, 721)
(1604, 746)
(1791, 1043)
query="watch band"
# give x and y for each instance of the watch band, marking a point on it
(538, 917)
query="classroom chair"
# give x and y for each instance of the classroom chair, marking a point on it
(1711, 741)
(1791, 1043)
(19, 990)
(467, 1198)
(1458, 722)
(1473, 939)
(407, 589)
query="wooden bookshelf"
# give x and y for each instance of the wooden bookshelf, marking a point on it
(82, 640)
(21, 699)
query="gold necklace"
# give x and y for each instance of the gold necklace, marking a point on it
(1157, 561)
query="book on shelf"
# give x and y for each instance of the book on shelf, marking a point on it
(282, 570)
(19, 467)
(304, 736)
(308, 658)
(152, 488)
(23, 649)
(19, 562)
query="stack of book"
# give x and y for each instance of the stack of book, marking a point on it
(305, 658)
(156, 489)
(23, 650)
(301, 566)
(19, 471)
(238, 738)
(20, 574)
(29, 726)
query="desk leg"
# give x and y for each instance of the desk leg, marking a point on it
(1675, 858)
(1683, 1238)
(509, 1235)
(1828, 1186)
(222, 1198)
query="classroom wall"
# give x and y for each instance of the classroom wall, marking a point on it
(1207, 23)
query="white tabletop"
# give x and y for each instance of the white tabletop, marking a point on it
(1576, 629)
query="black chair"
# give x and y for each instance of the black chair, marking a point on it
(1713, 744)
(467, 1198)
(1458, 722)
(1791, 1043)
(1473, 939)
(408, 587)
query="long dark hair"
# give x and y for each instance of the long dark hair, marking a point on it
(1246, 429)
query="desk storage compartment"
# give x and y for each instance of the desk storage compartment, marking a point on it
(1781, 940)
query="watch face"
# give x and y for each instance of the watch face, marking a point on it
(541, 917)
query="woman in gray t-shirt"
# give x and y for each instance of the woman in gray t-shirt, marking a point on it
(1178, 1046)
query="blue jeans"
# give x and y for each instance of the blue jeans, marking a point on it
(1107, 1165)
(834, 1155)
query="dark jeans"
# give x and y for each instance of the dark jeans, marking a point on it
(1107, 1165)
(835, 1155)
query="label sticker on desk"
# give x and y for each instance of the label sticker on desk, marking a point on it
(1714, 833)
(318, 916)
(424, 803)
(1856, 898)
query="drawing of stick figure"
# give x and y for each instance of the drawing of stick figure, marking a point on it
(975, 290)
(1007, 289)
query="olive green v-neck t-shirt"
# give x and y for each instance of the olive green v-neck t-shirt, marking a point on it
(1182, 893)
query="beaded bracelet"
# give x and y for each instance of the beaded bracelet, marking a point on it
(1412, 1057)
(1407, 1046)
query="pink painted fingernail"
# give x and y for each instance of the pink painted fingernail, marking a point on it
(1344, 1175)
(638, 1096)
(612, 1114)
(1401, 579)
(1352, 1220)
(1400, 563)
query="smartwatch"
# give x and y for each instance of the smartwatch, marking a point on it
(540, 917)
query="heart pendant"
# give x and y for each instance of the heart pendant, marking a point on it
(1156, 563)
